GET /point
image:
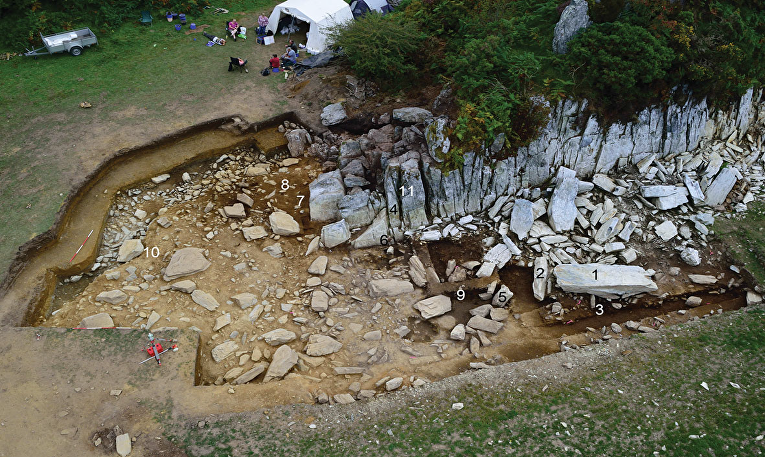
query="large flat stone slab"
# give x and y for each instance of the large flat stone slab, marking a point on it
(606, 281)
(434, 306)
(186, 261)
(389, 287)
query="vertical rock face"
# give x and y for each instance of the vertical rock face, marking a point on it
(574, 18)
(588, 149)
(414, 189)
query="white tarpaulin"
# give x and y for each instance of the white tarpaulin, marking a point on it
(376, 5)
(320, 14)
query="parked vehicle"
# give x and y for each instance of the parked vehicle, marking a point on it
(72, 41)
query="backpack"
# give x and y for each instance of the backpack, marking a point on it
(265, 71)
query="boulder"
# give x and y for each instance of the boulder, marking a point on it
(561, 212)
(319, 301)
(236, 210)
(344, 399)
(719, 189)
(154, 317)
(482, 310)
(278, 336)
(205, 300)
(251, 374)
(499, 314)
(499, 255)
(458, 332)
(658, 191)
(522, 218)
(320, 345)
(100, 320)
(275, 250)
(607, 231)
(541, 273)
(223, 351)
(333, 114)
(318, 266)
(358, 209)
(705, 280)
(434, 306)
(129, 250)
(411, 115)
(666, 230)
(255, 232)
(606, 281)
(122, 443)
(282, 361)
(335, 234)
(672, 201)
(258, 169)
(389, 287)
(573, 19)
(245, 199)
(283, 224)
(297, 140)
(222, 321)
(417, 271)
(502, 297)
(244, 300)
(693, 301)
(485, 325)
(112, 297)
(326, 191)
(376, 234)
(691, 257)
(186, 286)
(184, 262)
(753, 298)
(393, 384)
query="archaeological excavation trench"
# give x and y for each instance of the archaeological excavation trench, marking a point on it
(339, 267)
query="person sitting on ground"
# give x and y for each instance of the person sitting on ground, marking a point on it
(262, 24)
(233, 28)
(238, 62)
(292, 45)
(289, 58)
(274, 61)
(214, 39)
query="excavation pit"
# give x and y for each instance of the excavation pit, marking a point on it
(381, 336)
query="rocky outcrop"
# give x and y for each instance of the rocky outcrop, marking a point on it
(573, 19)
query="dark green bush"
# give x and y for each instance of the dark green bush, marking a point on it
(619, 62)
(605, 10)
(387, 49)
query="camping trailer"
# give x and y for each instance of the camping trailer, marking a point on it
(319, 16)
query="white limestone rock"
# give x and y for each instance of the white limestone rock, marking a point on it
(610, 281)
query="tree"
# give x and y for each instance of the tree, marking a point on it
(619, 62)
(386, 49)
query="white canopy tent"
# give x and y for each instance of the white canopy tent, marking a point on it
(320, 14)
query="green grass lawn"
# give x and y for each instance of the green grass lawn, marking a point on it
(650, 401)
(136, 78)
(745, 237)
